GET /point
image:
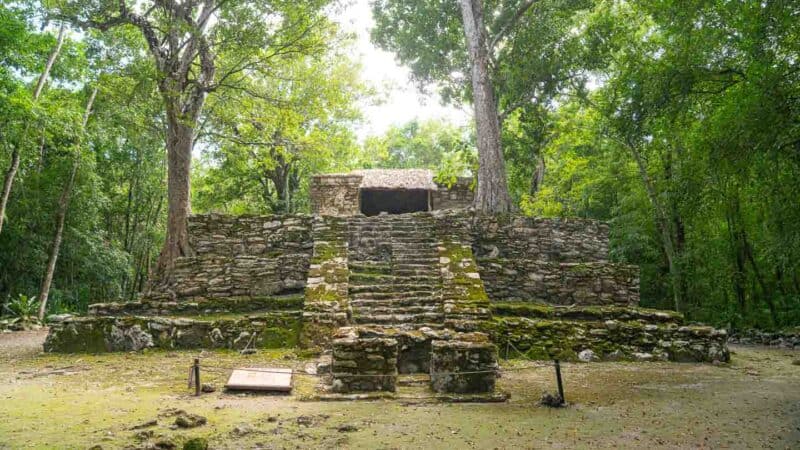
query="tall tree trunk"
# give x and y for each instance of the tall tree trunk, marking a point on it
(744, 253)
(739, 257)
(180, 140)
(537, 179)
(664, 225)
(49, 64)
(492, 192)
(61, 215)
(8, 181)
(42, 141)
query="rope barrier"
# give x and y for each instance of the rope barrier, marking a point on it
(303, 373)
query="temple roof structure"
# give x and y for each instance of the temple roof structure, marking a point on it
(396, 179)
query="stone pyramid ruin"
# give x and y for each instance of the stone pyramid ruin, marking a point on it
(394, 274)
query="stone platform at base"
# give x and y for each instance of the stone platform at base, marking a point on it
(231, 323)
(365, 359)
(602, 333)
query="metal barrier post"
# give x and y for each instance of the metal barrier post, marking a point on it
(197, 377)
(560, 385)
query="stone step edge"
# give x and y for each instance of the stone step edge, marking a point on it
(207, 318)
(232, 304)
(584, 313)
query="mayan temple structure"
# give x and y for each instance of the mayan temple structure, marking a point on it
(393, 273)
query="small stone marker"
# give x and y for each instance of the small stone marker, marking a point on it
(260, 379)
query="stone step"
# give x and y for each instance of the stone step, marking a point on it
(397, 318)
(390, 280)
(388, 306)
(428, 264)
(403, 252)
(429, 271)
(368, 266)
(396, 288)
(429, 261)
(430, 275)
(414, 262)
(397, 309)
(361, 279)
(392, 295)
(414, 301)
(409, 326)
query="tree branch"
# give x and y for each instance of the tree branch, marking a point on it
(510, 23)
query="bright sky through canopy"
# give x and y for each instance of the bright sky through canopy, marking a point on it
(403, 101)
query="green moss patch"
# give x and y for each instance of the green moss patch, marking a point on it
(108, 334)
(589, 313)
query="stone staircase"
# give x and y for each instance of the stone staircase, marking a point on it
(395, 279)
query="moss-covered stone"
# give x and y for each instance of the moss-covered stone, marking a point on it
(590, 313)
(199, 306)
(609, 339)
(326, 302)
(104, 334)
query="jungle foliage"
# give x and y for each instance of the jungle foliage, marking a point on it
(678, 122)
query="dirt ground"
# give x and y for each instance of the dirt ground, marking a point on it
(78, 401)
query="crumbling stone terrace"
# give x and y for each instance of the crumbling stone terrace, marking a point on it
(544, 287)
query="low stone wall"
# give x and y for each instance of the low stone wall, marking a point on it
(335, 194)
(241, 256)
(538, 239)
(236, 236)
(132, 333)
(608, 340)
(783, 339)
(466, 364)
(204, 306)
(362, 364)
(459, 195)
(594, 283)
(587, 313)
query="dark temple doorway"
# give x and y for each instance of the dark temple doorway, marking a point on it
(393, 201)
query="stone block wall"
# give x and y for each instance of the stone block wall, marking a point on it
(335, 194)
(222, 235)
(362, 364)
(221, 305)
(465, 364)
(553, 261)
(593, 283)
(241, 256)
(278, 329)
(459, 195)
(539, 239)
(608, 340)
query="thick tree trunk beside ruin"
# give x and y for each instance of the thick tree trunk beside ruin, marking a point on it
(492, 191)
(180, 140)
